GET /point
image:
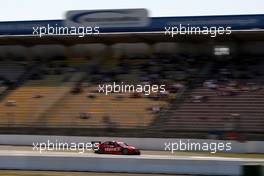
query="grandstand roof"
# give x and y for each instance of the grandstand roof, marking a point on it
(244, 27)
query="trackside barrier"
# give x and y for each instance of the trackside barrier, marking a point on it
(142, 143)
(122, 164)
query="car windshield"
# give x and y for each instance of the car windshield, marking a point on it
(122, 144)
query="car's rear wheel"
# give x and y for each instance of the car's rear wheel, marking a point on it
(100, 151)
(125, 151)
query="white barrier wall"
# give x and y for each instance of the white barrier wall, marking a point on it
(122, 164)
(141, 143)
(116, 163)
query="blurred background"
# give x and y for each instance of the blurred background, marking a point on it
(214, 85)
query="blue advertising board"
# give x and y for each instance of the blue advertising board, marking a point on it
(236, 22)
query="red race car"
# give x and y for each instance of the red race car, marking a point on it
(114, 147)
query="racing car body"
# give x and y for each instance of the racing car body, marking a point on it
(114, 147)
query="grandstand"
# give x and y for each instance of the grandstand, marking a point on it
(11, 70)
(230, 100)
(24, 105)
(208, 94)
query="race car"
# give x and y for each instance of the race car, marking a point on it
(115, 147)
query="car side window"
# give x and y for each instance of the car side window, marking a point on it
(106, 143)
